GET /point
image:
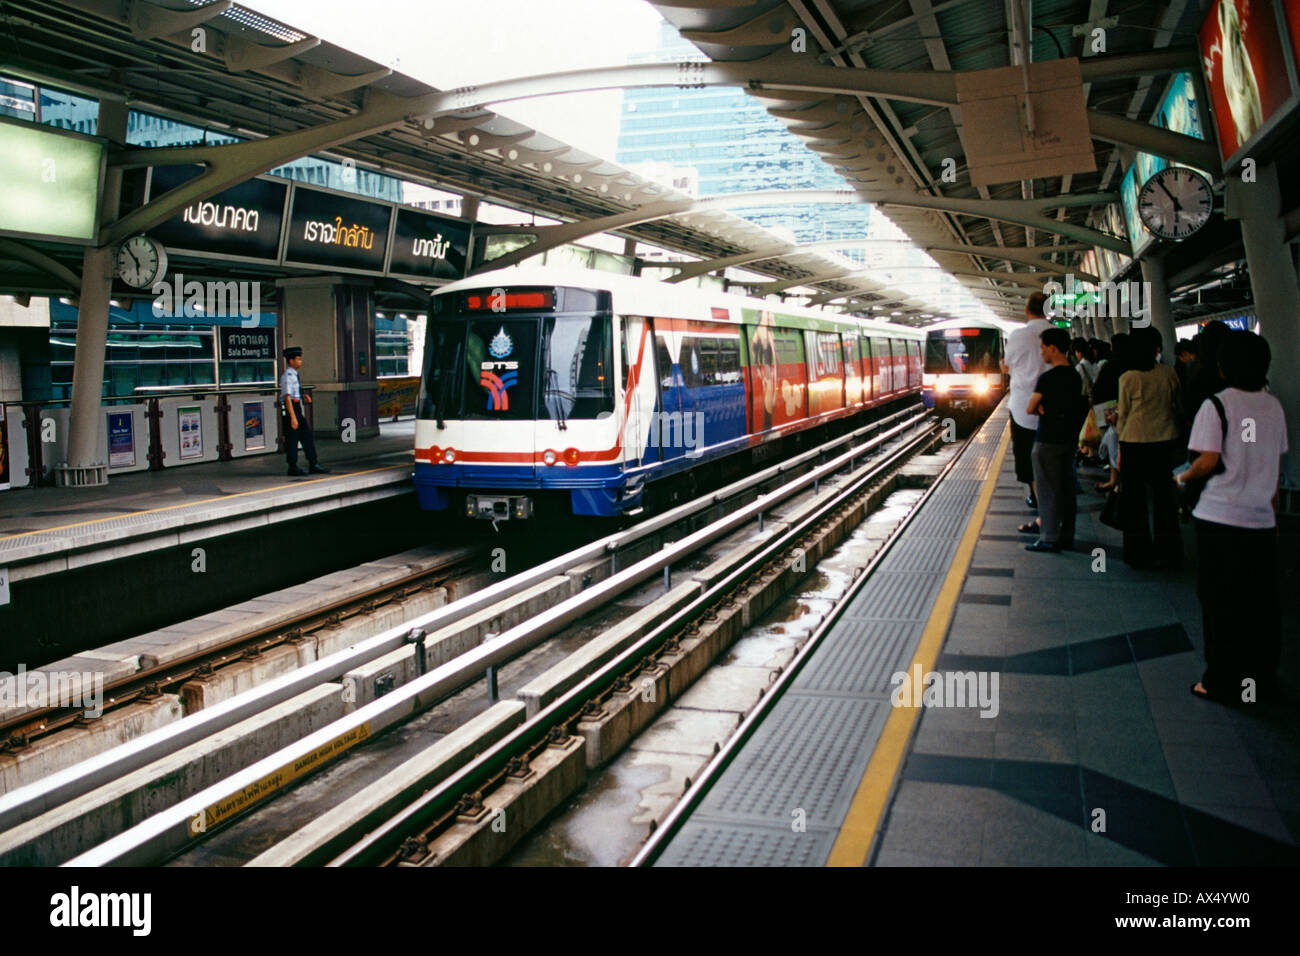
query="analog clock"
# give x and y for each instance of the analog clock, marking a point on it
(1175, 202)
(141, 261)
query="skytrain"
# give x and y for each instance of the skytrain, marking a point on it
(585, 393)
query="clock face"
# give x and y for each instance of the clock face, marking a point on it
(1175, 202)
(141, 261)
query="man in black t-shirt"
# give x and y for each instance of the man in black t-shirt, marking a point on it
(1060, 407)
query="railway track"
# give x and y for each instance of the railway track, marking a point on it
(386, 697)
(477, 815)
(21, 730)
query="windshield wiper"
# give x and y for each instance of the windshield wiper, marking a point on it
(554, 376)
(448, 374)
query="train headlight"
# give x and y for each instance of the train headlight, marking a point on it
(435, 454)
(941, 385)
(549, 457)
(449, 456)
(571, 456)
(981, 386)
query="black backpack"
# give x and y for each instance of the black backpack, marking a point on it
(1191, 490)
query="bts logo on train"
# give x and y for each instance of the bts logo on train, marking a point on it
(590, 394)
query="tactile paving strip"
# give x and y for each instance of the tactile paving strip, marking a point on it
(811, 750)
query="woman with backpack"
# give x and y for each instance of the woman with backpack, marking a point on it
(1236, 525)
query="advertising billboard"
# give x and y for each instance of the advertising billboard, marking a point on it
(426, 246)
(51, 181)
(1178, 111)
(336, 232)
(242, 222)
(1245, 70)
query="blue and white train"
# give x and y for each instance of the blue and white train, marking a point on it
(585, 393)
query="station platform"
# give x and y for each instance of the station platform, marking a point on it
(1089, 749)
(51, 530)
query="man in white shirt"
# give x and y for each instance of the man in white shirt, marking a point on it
(296, 428)
(1024, 361)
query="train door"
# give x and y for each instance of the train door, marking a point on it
(883, 361)
(869, 380)
(668, 440)
(852, 370)
(639, 390)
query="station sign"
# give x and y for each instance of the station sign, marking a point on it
(426, 246)
(242, 222)
(336, 232)
(236, 344)
(51, 180)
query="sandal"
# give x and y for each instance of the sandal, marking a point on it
(1030, 527)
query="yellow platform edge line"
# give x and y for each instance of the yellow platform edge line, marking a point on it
(872, 795)
(195, 504)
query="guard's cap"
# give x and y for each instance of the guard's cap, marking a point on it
(293, 352)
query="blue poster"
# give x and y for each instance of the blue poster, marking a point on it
(121, 440)
(254, 426)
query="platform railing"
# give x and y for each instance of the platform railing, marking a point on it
(213, 423)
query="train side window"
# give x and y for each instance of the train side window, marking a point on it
(663, 362)
(729, 360)
(828, 347)
(708, 361)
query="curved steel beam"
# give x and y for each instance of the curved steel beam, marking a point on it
(232, 163)
(34, 257)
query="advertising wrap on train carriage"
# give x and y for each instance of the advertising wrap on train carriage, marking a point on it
(1245, 70)
(778, 377)
(426, 246)
(241, 222)
(336, 231)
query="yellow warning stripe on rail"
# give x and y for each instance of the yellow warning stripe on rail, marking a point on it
(277, 780)
(872, 796)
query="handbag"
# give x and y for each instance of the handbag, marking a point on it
(1190, 491)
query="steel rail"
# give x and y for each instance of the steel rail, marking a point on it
(703, 783)
(55, 789)
(386, 836)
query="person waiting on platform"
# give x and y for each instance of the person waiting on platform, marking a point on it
(1024, 363)
(296, 428)
(1059, 403)
(1148, 416)
(1236, 525)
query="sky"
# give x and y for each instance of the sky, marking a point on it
(450, 43)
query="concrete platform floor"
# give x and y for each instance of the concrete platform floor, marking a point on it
(30, 510)
(1098, 755)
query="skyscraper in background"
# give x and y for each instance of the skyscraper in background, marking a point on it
(735, 145)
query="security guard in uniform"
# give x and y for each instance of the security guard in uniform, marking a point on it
(295, 425)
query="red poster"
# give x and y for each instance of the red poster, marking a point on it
(1244, 69)
(1292, 10)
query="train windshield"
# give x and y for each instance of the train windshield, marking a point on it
(963, 351)
(516, 367)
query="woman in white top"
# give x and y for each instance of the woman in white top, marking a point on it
(1236, 526)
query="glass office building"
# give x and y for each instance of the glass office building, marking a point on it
(735, 145)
